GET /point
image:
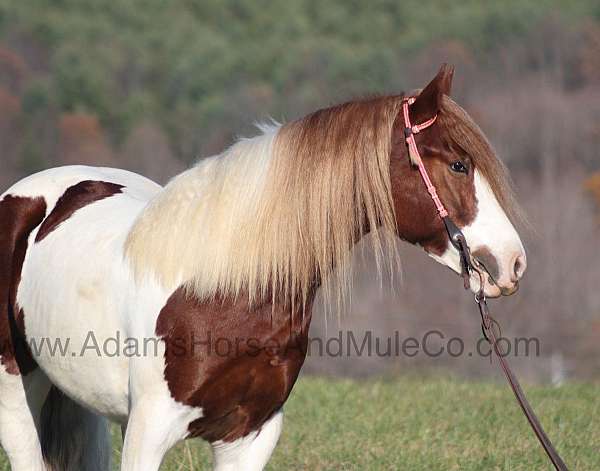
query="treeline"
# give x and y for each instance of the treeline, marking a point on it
(111, 82)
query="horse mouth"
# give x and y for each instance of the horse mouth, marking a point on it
(503, 290)
(511, 290)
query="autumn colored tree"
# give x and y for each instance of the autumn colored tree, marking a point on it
(81, 141)
(592, 184)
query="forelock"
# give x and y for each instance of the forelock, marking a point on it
(459, 129)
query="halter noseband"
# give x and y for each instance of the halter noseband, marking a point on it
(454, 233)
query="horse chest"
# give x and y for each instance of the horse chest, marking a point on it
(238, 364)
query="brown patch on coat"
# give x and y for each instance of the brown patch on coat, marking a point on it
(238, 363)
(73, 199)
(19, 216)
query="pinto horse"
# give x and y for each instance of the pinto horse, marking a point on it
(229, 253)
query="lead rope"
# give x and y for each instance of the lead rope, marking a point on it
(457, 239)
(487, 325)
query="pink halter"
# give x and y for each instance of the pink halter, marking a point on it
(415, 157)
(454, 233)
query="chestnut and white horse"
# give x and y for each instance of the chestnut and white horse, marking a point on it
(184, 311)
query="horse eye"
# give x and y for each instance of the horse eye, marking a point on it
(459, 167)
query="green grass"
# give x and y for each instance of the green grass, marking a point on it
(418, 424)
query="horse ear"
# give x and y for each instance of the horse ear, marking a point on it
(429, 101)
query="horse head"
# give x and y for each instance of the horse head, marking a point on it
(471, 182)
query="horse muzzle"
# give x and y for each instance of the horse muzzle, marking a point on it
(499, 279)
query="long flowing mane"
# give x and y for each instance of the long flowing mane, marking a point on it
(275, 212)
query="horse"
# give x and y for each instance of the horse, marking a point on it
(207, 285)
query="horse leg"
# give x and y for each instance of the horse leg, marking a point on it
(73, 438)
(249, 453)
(21, 401)
(155, 424)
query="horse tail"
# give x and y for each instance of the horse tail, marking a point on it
(73, 438)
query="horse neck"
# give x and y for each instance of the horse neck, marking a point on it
(238, 221)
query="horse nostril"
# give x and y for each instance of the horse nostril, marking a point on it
(519, 267)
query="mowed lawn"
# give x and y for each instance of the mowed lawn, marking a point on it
(419, 424)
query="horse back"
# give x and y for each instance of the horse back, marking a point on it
(29, 211)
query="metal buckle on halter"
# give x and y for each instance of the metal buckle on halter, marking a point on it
(454, 233)
(408, 130)
(458, 240)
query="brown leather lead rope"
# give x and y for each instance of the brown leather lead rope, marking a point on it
(487, 325)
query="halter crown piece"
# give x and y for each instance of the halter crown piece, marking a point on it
(415, 157)
(454, 233)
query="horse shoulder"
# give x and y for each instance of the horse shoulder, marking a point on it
(236, 362)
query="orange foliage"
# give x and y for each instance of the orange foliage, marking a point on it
(592, 184)
(590, 52)
(13, 69)
(82, 140)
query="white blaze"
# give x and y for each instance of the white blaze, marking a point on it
(492, 229)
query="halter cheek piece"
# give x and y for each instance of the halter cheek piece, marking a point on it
(456, 236)
(489, 326)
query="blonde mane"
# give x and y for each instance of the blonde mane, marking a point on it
(275, 213)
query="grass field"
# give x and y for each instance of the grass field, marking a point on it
(418, 424)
